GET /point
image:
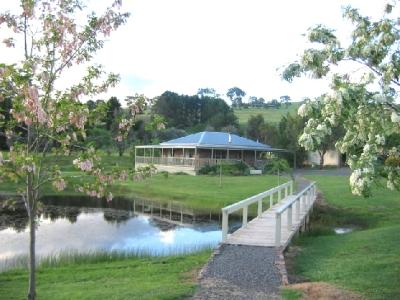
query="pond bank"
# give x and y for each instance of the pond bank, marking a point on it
(171, 277)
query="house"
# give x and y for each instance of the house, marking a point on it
(331, 158)
(190, 153)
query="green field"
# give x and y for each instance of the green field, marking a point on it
(198, 192)
(201, 192)
(271, 115)
(367, 260)
(172, 277)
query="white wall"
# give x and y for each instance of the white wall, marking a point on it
(331, 158)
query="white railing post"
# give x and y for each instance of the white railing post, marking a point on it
(259, 208)
(279, 195)
(244, 223)
(297, 207)
(271, 200)
(286, 191)
(224, 225)
(289, 218)
(303, 203)
(277, 229)
(291, 187)
(308, 199)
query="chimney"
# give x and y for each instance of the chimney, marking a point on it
(230, 138)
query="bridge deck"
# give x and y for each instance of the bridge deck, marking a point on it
(261, 230)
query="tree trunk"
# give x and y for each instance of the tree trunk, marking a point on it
(321, 159)
(31, 207)
(32, 259)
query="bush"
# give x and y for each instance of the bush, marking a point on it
(275, 165)
(237, 169)
(181, 173)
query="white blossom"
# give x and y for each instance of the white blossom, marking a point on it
(306, 141)
(380, 139)
(395, 117)
(390, 185)
(302, 111)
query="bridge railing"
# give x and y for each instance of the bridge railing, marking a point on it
(302, 203)
(286, 188)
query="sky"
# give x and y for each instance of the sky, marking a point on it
(184, 45)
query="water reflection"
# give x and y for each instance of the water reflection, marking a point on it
(140, 226)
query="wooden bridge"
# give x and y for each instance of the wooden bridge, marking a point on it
(274, 227)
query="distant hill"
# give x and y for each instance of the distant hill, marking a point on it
(271, 115)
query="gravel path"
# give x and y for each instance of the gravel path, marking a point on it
(243, 272)
(240, 272)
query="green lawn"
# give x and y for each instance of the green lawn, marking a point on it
(201, 192)
(170, 277)
(271, 115)
(198, 192)
(367, 260)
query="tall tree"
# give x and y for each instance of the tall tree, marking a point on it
(285, 100)
(236, 95)
(193, 112)
(365, 105)
(113, 110)
(290, 129)
(53, 41)
(207, 92)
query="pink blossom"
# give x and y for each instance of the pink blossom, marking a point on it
(109, 197)
(119, 138)
(59, 184)
(78, 120)
(123, 176)
(28, 121)
(9, 43)
(86, 165)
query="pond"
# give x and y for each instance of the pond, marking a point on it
(84, 225)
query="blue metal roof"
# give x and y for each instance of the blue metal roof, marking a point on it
(224, 140)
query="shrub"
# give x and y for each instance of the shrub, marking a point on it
(237, 169)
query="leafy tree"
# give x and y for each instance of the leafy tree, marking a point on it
(255, 127)
(258, 129)
(236, 95)
(290, 129)
(207, 92)
(275, 103)
(285, 100)
(113, 110)
(5, 108)
(256, 102)
(365, 105)
(193, 112)
(53, 42)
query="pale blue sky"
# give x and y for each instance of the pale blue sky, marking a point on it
(182, 45)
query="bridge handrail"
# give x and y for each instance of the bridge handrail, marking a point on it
(243, 204)
(286, 205)
(253, 199)
(303, 202)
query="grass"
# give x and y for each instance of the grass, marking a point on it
(200, 192)
(366, 260)
(271, 115)
(109, 277)
(197, 192)
(290, 294)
